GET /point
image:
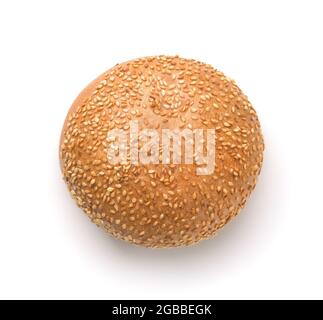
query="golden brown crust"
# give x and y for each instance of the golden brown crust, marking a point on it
(77, 102)
(161, 205)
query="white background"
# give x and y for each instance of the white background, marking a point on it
(50, 50)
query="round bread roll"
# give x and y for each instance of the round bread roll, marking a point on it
(161, 197)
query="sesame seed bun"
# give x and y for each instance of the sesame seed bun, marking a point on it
(161, 205)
